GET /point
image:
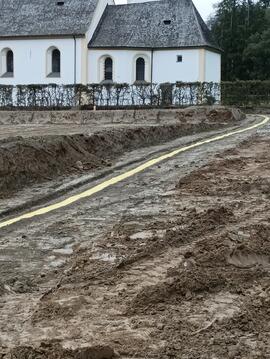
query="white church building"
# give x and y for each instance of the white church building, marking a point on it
(96, 41)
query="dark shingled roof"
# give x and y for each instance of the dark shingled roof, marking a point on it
(141, 25)
(45, 17)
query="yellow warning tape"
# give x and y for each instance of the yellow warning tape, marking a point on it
(90, 192)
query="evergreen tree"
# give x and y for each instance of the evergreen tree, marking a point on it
(241, 28)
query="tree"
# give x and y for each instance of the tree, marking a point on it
(257, 56)
(237, 24)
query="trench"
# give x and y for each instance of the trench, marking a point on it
(114, 180)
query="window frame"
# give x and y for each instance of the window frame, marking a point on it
(146, 56)
(10, 61)
(56, 61)
(138, 69)
(109, 70)
(4, 63)
(50, 73)
(167, 22)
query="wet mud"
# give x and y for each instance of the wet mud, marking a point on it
(183, 273)
(25, 160)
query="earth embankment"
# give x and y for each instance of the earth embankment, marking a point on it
(70, 146)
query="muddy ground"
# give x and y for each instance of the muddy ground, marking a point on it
(43, 151)
(173, 263)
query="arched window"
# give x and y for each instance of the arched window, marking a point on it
(53, 62)
(56, 61)
(108, 69)
(6, 63)
(140, 69)
(10, 62)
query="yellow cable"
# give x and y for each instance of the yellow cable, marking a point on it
(90, 192)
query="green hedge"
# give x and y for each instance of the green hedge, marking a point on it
(245, 93)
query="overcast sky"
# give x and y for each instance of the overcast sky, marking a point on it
(205, 7)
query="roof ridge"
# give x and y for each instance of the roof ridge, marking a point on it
(147, 2)
(99, 23)
(196, 13)
(200, 21)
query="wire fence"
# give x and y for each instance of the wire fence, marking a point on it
(241, 93)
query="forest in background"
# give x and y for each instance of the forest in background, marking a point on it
(242, 30)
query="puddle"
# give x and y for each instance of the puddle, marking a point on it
(245, 260)
(223, 305)
(148, 234)
(55, 262)
(66, 251)
(105, 257)
(219, 307)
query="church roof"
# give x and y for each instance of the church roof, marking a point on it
(155, 24)
(45, 17)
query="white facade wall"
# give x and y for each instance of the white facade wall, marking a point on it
(167, 69)
(123, 65)
(212, 66)
(196, 65)
(30, 61)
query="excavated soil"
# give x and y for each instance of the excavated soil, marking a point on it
(54, 350)
(29, 159)
(192, 282)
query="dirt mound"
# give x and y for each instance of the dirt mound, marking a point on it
(210, 265)
(28, 160)
(147, 116)
(230, 174)
(214, 300)
(56, 351)
(211, 114)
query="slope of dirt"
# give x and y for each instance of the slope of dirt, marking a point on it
(55, 351)
(26, 160)
(192, 282)
(105, 118)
